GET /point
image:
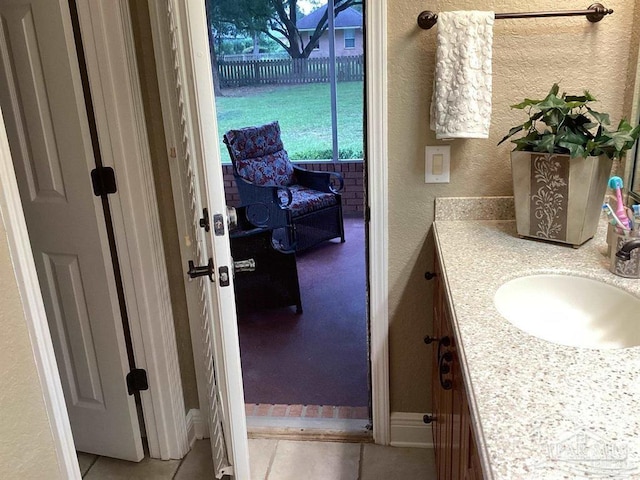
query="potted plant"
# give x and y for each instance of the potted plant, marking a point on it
(561, 164)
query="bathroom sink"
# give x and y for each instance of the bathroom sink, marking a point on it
(569, 310)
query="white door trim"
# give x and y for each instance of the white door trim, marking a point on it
(35, 316)
(377, 163)
(377, 158)
(117, 102)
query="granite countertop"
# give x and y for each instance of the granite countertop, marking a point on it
(540, 410)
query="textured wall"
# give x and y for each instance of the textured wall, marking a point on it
(528, 57)
(26, 441)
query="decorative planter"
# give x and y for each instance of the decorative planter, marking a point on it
(558, 198)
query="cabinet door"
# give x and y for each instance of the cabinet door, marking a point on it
(456, 454)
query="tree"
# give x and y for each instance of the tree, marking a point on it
(275, 18)
(231, 17)
(284, 22)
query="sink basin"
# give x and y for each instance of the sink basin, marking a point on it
(569, 310)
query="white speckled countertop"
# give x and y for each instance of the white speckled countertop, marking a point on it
(540, 410)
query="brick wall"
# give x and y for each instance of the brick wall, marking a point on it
(352, 195)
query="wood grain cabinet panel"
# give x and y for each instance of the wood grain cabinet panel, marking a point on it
(456, 452)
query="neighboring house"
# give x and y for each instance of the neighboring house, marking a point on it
(348, 27)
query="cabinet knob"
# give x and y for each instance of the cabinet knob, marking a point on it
(445, 341)
(430, 275)
(447, 357)
(444, 369)
(429, 418)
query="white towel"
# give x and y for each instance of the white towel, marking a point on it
(461, 101)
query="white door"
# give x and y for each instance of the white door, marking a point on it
(42, 99)
(181, 38)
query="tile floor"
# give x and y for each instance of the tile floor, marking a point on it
(273, 459)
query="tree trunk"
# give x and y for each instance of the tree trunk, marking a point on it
(256, 43)
(217, 91)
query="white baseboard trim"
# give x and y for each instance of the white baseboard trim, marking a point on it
(196, 426)
(408, 430)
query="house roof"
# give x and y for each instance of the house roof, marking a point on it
(347, 18)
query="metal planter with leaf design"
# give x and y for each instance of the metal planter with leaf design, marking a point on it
(558, 198)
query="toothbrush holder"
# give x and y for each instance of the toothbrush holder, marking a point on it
(622, 268)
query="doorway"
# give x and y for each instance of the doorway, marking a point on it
(313, 365)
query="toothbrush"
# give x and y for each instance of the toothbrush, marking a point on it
(616, 184)
(613, 218)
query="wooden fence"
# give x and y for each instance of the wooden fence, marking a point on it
(288, 71)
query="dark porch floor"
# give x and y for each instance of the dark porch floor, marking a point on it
(319, 357)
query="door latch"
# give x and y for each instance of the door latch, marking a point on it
(218, 224)
(223, 273)
(207, 270)
(248, 265)
(204, 221)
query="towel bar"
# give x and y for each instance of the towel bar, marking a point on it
(595, 13)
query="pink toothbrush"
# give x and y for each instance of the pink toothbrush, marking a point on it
(616, 184)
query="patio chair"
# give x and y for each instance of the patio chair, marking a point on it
(303, 207)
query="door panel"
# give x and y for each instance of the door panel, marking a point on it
(43, 101)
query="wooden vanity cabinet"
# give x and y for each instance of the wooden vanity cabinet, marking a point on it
(455, 446)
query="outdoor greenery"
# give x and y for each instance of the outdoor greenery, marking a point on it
(304, 113)
(567, 124)
(276, 19)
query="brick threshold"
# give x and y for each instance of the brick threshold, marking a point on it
(309, 422)
(305, 411)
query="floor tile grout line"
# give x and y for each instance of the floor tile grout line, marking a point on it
(91, 466)
(360, 460)
(175, 474)
(271, 460)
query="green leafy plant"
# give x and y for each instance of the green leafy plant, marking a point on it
(567, 124)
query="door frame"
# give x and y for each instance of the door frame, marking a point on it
(117, 101)
(107, 37)
(24, 269)
(377, 164)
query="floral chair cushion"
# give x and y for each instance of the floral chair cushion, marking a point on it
(273, 169)
(305, 200)
(260, 157)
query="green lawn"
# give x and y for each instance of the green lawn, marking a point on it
(304, 113)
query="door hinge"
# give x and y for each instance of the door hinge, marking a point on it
(104, 181)
(228, 470)
(137, 381)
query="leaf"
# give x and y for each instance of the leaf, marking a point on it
(551, 102)
(546, 143)
(554, 89)
(589, 97)
(553, 117)
(575, 149)
(526, 103)
(602, 118)
(580, 100)
(512, 132)
(617, 140)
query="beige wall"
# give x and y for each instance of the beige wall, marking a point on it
(26, 441)
(528, 57)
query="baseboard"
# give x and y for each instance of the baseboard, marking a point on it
(196, 427)
(408, 430)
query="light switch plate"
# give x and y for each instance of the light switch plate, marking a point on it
(437, 165)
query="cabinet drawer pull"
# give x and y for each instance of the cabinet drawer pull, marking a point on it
(446, 341)
(430, 275)
(445, 369)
